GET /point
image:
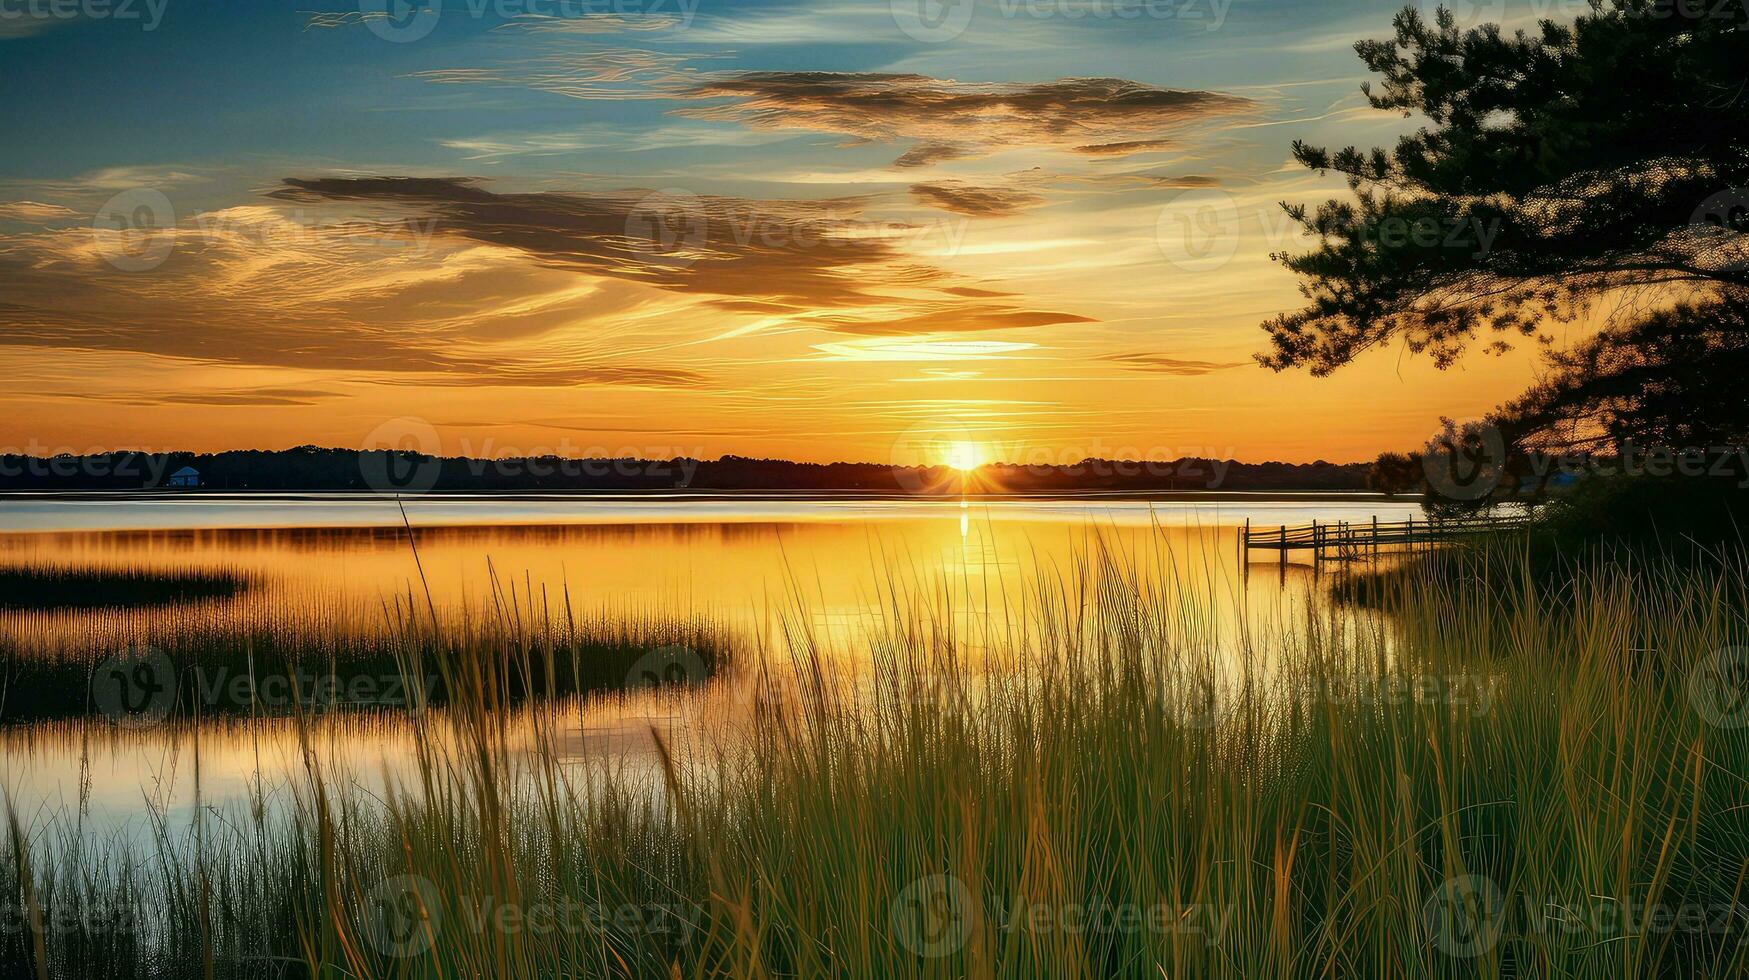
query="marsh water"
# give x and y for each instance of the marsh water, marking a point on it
(755, 566)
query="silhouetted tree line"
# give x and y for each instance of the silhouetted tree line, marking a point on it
(312, 468)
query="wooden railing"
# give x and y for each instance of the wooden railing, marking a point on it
(1345, 540)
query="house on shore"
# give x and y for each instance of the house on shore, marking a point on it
(186, 478)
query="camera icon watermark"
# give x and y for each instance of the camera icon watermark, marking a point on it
(135, 231)
(669, 227)
(1197, 700)
(135, 687)
(932, 21)
(927, 457)
(401, 916)
(1464, 916)
(400, 456)
(1465, 464)
(668, 666)
(1199, 230)
(1718, 688)
(934, 916)
(1721, 227)
(399, 21)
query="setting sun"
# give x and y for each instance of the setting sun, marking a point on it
(965, 456)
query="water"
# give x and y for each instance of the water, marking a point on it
(343, 561)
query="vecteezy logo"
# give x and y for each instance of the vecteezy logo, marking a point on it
(401, 915)
(934, 916)
(400, 456)
(1721, 224)
(668, 227)
(932, 21)
(1466, 464)
(1464, 916)
(1199, 230)
(1718, 687)
(135, 230)
(135, 687)
(666, 666)
(398, 20)
(1197, 700)
(922, 453)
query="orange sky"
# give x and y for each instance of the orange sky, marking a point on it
(762, 229)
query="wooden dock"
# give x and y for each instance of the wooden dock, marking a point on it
(1345, 541)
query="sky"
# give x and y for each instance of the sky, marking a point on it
(1034, 230)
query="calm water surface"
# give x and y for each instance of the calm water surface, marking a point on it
(739, 560)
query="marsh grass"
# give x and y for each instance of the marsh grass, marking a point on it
(1320, 798)
(63, 587)
(274, 656)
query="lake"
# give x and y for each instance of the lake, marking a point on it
(759, 567)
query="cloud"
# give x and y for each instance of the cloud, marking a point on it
(1107, 116)
(1184, 181)
(927, 154)
(1162, 364)
(356, 291)
(599, 21)
(606, 74)
(580, 21)
(236, 397)
(881, 349)
(950, 318)
(820, 263)
(35, 212)
(789, 253)
(1123, 148)
(948, 119)
(442, 281)
(976, 202)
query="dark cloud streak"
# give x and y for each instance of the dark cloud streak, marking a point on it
(976, 202)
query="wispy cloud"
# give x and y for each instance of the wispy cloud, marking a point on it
(1163, 364)
(884, 349)
(34, 212)
(976, 202)
(818, 263)
(1109, 116)
(356, 292)
(949, 120)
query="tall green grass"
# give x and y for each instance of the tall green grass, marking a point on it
(1099, 781)
(313, 652)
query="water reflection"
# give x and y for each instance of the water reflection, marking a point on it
(767, 570)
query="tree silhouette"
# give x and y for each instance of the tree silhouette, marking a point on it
(1558, 167)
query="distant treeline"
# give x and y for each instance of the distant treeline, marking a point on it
(315, 468)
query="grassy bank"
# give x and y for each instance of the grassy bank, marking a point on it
(274, 654)
(1642, 520)
(1098, 784)
(61, 587)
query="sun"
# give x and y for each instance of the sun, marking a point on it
(964, 456)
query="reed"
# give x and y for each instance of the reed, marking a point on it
(283, 653)
(1100, 780)
(78, 587)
